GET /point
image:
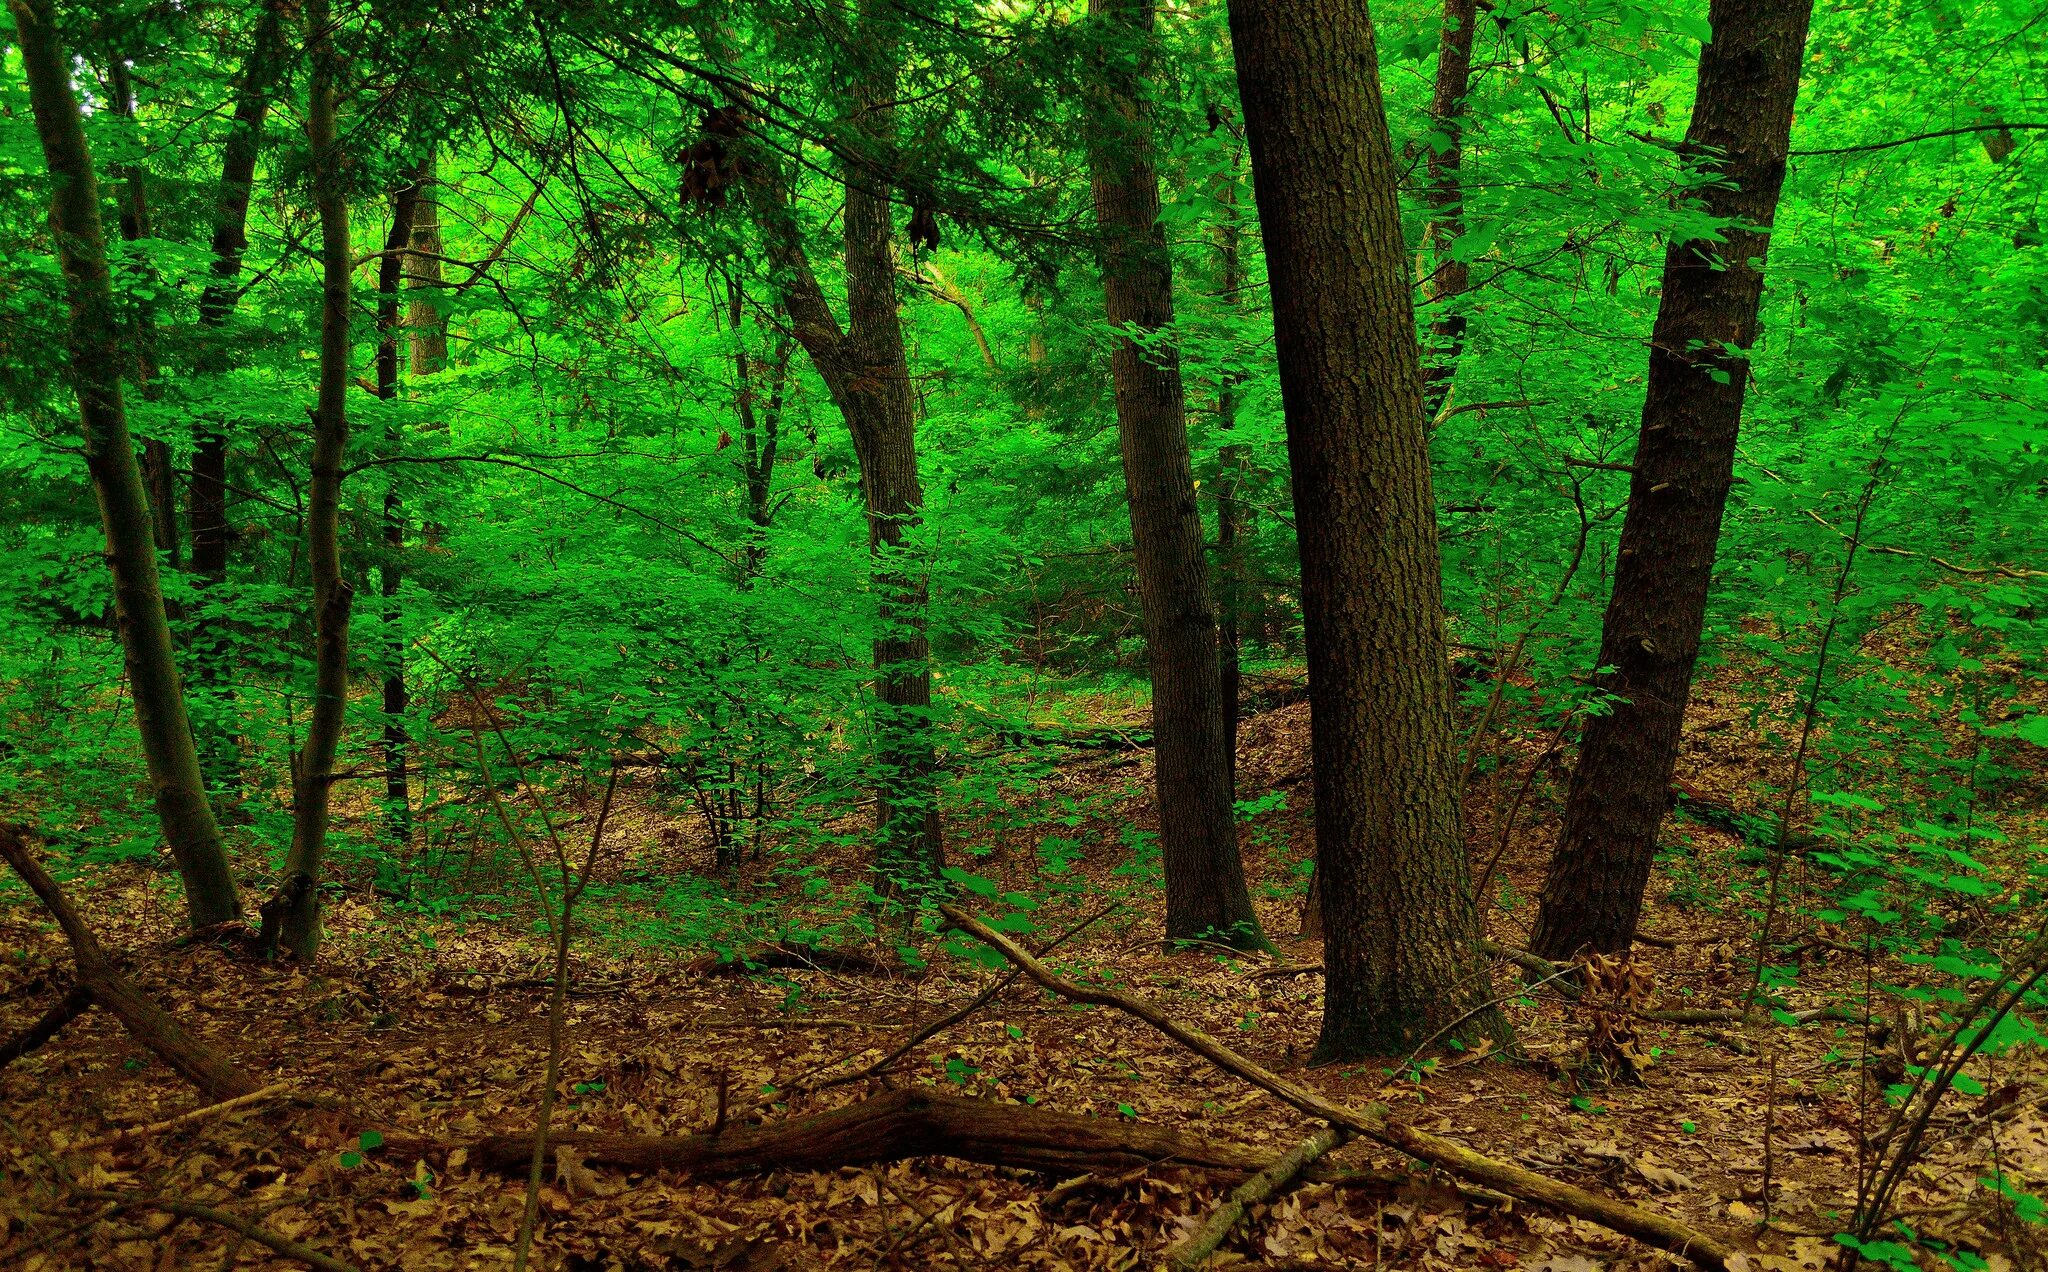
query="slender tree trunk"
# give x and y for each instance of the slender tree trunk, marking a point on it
(95, 346)
(297, 919)
(1401, 929)
(390, 275)
(424, 323)
(207, 498)
(1449, 276)
(134, 221)
(1685, 461)
(1194, 774)
(1233, 522)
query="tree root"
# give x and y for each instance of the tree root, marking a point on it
(214, 1074)
(1646, 1226)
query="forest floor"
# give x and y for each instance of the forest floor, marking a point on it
(435, 1027)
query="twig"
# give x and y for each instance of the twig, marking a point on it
(1657, 1230)
(183, 1119)
(234, 1223)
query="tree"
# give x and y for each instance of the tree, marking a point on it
(94, 347)
(1194, 762)
(1685, 461)
(207, 495)
(405, 206)
(1449, 275)
(292, 917)
(1402, 932)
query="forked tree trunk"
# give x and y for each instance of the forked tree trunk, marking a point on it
(295, 920)
(1685, 461)
(1400, 927)
(1194, 773)
(1449, 276)
(207, 497)
(405, 203)
(95, 352)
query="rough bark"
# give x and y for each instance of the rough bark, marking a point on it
(1448, 277)
(909, 1122)
(1684, 465)
(207, 495)
(1194, 768)
(1401, 927)
(405, 203)
(1374, 1121)
(95, 356)
(138, 1013)
(425, 325)
(298, 925)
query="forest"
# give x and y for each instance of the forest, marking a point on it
(1098, 634)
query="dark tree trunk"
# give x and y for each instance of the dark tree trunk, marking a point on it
(134, 220)
(207, 498)
(95, 355)
(405, 204)
(1448, 277)
(1194, 774)
(1233, 519)
(296, 917)
(1684, 464)
(1401, 929)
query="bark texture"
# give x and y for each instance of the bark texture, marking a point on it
(1401, 929)
(1194, 773)
(95, 353)
(297, 925)
(1448, 277)
(1685, 461)
(207, 496)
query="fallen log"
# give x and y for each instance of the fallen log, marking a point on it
(214, 1074)
(904, 1123)
(1646, 1226)
(1195, 1250)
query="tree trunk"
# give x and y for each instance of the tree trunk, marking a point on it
(134, 222)
(296, 924)
(207, 498)
(94, 340)
(1401, 927)
(1233, 522)
(405, 203)
(1449, 277)
(424, 323)
(1684, 464)
(1194, 770)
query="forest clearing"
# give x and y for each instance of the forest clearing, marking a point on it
(1255, 634)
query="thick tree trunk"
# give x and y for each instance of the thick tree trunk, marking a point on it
(296, 922)
(909, 849)
(134, 222)
(1401, 929)
(1448, 277)
(95, 346)
(1684, 464)
(1194, 773)
(405, 205)
(207, 497)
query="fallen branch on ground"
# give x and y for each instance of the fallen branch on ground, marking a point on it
(1646, 1226)
(796, 956)
(186, 1118)
(75, 1003)
(235, 1223)
(1202, 1242)
(909, 1122)
(150, 1025)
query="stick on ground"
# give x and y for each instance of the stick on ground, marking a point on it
(1193, 1252)
(1646, 1226)
(235, 1223)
